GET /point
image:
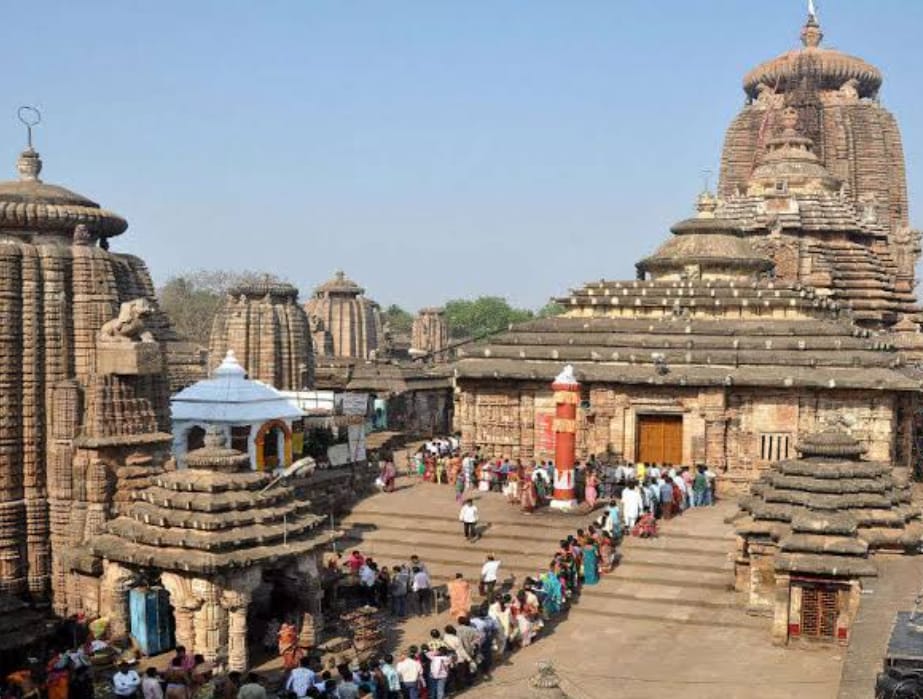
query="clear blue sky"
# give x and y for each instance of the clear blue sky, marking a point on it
(432, 149)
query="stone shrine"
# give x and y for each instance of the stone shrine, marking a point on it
(806, 530)
(339, 310)
(268, 331)
(84, 366)
(761, 319)
(840, 178)
(221, 539)
(430, 333)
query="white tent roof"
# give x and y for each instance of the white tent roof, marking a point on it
(229, 396)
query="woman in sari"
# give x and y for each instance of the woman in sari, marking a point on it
(459, 597)
(459, 487)
(591, 491)
(523, 614)
(527, 495)
(590, 564)
(388, 476)
(57, 681)
(554, 595)
(288, 647)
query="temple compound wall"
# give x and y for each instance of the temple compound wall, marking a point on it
(738, 432)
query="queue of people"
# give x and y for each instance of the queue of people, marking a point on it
(453, 658)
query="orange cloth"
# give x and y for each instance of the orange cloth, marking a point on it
(460, 597)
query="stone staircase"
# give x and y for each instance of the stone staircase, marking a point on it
(683, 576)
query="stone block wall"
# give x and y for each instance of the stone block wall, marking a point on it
(722, 427)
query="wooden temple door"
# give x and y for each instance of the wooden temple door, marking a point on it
(660, 439)
(818, 611)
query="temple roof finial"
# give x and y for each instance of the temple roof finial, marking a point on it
(29, 163)
(811, 34)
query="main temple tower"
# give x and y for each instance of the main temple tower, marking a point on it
(835, 97)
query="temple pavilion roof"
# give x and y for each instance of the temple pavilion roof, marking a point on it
(212, 518)
(830, 505)
(228, 396)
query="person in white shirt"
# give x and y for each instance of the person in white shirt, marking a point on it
(150, 685)
(301, 679)
(421, 591)
(125, 682)
(489, 572)
(410, 671)
(367, 576)
(469, 518)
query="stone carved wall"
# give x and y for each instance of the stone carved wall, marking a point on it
(722, 427)
(269, 333)
(54, 299)
(430, 332)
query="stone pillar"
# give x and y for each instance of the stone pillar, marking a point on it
(184, 605)
(113, 597)
(566, 396)
(236, 601)
(211, 625)
(781, 609)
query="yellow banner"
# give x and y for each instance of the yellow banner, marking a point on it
(564, 425)
(565, 397)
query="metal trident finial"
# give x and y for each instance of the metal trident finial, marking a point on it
(812, 10)
(706, 180)
(30, 117)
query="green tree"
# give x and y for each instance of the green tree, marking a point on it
(482, 316)
(399, 320)
(192, 299)
(550, 309)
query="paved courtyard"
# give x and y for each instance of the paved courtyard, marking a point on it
(666, 622)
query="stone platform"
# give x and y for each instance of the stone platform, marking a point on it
(666, 621)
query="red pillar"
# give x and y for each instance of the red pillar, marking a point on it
(566, 397)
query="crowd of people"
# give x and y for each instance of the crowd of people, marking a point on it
(656, 490)
(452, 658)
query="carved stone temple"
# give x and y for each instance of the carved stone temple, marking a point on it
(344, 322)
(785, 304)
(84, 383)
(806, 531)
(223, 541)
(268, 331)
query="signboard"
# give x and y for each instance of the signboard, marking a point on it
(338, 454)
(357, 442)
(355, 403)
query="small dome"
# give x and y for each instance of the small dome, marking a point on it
(28, 205)
(827, 68)
(229, 396)
(216, 455)
(708, 242)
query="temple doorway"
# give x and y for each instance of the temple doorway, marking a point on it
(819, 611)
(660, 439)
(195, 438)
(272, 447)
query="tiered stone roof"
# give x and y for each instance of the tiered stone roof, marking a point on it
(722, 332)
(211, 518)
(344, 320)
(828, 506)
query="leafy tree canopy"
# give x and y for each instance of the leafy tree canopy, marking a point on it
(192, 299)
(482, 316)
(399, 320)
